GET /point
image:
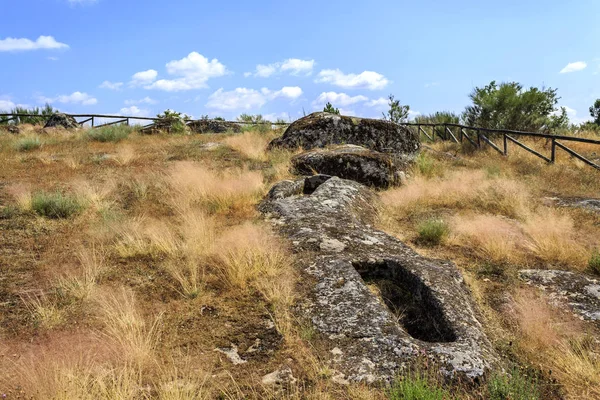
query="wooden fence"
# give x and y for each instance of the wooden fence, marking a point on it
(479, 137)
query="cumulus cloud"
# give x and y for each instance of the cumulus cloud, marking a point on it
(574, 67)
(293, 66)
(6, 105)
(381, 102)
(365, 80)
(145, 100)
(338, 99)
(111, 85)
(23, 44)
(247, 99)
(191, 72)
(143, 78)
(134, 111)
(73, 98)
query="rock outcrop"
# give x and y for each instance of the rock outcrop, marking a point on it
(352, 162)
(61, 120)
(586, 204)
(576, 291)
(380, 305)
(214, 126)
(324, 129)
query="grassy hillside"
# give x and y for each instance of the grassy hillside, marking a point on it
(127, 260)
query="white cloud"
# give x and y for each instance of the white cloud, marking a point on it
(365, 80)
(52, 58)
(293, 66)
(134, 111)
(296, 66)
(381, 102)
(145, 100)
(247, 99)
(23, 44)
(574, 67)
(73, 98)
(6, 105)
(192, 71)
(275, 116)
(412, 113)
(432, 84)
(338, 99)
(143, 77)
(111, 85)
(82, 2)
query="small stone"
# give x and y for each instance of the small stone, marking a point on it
(232, 354)
(281, 376)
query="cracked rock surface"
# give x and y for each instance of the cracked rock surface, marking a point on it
(577, 291)
(352, 162)
(380, 304)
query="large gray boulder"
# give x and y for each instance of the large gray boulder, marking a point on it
(61, 120)
(214, 126)
(357, 163)
(325, 129)
(379, 305)
(574, 290)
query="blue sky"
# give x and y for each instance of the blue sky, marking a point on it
(279, 58)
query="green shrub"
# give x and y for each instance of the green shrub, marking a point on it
(113, 133)
(55, 205)
(331, 109)
(28, 144)
(35, 115)
(427, 166)
(594, 262)
(397, 112)
(417, 387)
(173, 121)
(516, 386)
(433, 231)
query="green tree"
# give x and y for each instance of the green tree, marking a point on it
(397, 112)
(595, 112)
(439, 117)
(331, 109)
(508, 106)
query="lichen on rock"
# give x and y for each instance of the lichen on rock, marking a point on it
(380, 305)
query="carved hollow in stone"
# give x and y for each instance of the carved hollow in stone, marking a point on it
(380, 304)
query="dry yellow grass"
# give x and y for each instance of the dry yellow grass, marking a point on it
(124, 326)
(82, 285)
(43, 310)
(216, 191)
(252, 144)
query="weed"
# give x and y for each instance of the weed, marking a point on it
(28, 144)
(416, 386)
(45, 313)
(427, 166)
(55, 205)
(433, 231)
(112, 133)
(594, 262)
(515, 386)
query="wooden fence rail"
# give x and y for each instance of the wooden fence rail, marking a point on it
(508, 136)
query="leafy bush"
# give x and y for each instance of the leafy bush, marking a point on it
(427, 166)
(417, 387)
(516, 386)
(397, 112)
(595, 112)
(331, 109)
(508, 106)
(35, 115)
(28, 143)
(112, 133)
(433, 231)
(55, 205)
(173, 121)
(256, 122)
(594, 262)
(439, 117)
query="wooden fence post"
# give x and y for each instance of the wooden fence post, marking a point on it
(505, 145)
(553, 151)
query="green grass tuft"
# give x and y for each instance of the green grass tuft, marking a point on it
(433, 231)
(594, 262)
(55, 205)
(28, 144)
(113, 133)
(417, 387)
(516, 386)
